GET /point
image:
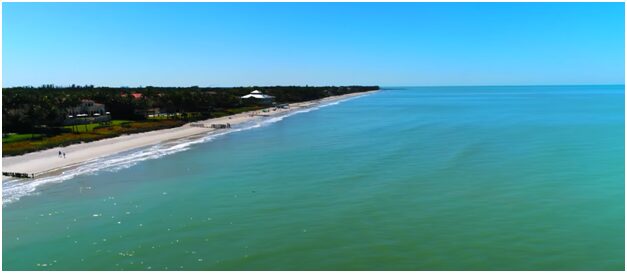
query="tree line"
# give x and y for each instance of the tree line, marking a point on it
(28, 109)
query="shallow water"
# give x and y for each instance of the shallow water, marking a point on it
(445, 178)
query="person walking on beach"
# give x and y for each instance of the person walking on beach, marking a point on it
(59, 153)
(63, 155)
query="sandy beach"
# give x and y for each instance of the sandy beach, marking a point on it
(46, 161)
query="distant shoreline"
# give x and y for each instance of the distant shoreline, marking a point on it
(48, 161)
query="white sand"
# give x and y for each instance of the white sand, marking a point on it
(48, 160)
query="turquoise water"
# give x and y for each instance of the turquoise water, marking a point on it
(446, 178)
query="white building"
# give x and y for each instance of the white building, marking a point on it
(87, 112)
(258, 96)
(87, 108)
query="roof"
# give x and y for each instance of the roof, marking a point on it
(134, 95)
(257, 96)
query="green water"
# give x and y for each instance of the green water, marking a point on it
(456, 178)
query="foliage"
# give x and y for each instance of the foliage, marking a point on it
(28, 109)
(97, 133)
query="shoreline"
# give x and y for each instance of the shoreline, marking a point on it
(47, 161)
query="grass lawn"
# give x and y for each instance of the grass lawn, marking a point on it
(19, 137)
(84, 128)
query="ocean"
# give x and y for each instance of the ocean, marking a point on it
(408, 178)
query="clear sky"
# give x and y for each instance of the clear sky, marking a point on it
(242, 44)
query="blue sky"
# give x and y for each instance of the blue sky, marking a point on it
(241, 44)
